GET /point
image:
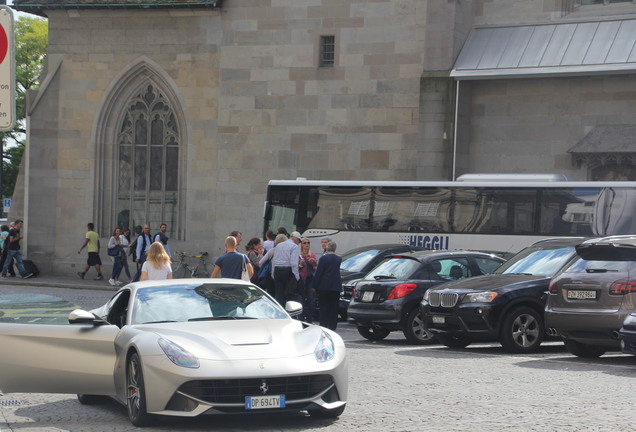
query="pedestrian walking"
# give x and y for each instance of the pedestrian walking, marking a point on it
(114, 251)
(156, 266)
(328, 284)
(231, 263)
(91, 243)
(125, 244)
(141, 251)
(4, 241)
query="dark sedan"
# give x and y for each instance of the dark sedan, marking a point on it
(388, 297)
(358, 262)
(506, 306)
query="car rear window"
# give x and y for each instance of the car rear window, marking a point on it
(395, 268)
(357, 262)
(583, 266)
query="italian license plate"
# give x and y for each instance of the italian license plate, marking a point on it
(264, 402)
(582, 294)
(367, 296)
(439, 320)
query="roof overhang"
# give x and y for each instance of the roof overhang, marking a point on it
(39, 7)
(565, 49)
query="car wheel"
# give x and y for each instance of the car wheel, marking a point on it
(91, 399)
(373, 333)
(583, 350)
(136, 393)
(321, 413)
(453, 341)
(522, 331)
(415, 332)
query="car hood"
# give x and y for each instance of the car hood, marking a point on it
(240, 339)
(493, 282)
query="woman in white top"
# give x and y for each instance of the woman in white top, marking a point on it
(157, 264)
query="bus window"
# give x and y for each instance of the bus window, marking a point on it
(343, 208)
(411, 209)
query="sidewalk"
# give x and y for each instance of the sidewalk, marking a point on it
(61, 281)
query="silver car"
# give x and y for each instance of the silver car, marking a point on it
(182, 347)
(589, 299)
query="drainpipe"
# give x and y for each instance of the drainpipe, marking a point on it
(455, 132)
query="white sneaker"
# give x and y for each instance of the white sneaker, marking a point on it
(111, 281)
(118, 283)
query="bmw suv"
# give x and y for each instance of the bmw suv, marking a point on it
(506, 306)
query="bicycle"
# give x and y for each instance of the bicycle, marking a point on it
(181, 269)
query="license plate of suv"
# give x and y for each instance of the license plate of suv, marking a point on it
(581, 295)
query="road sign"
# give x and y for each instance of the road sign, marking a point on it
(7, 70)
(7, 205)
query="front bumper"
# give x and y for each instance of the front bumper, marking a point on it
(474, 321)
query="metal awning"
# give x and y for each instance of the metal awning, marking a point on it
(583, 48)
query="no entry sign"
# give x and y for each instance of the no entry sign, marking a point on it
(7, 70)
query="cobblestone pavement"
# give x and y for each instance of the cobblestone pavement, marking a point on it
(398, 387)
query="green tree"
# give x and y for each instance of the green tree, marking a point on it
(31, 40)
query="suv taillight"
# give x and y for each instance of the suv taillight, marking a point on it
(401, 290)
(622, 287)
(553, 287)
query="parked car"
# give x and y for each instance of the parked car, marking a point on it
(182, 347)
(387, 299)
(358, 262)
(590, 298)
(506, 306)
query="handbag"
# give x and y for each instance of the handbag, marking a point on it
(265, 271)
(245, 274)
(114, 251)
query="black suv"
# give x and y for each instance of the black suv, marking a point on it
(388, 297)
(506, 306)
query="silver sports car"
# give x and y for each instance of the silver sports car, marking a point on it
(182, 347)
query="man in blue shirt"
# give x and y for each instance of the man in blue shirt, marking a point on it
(231, 263)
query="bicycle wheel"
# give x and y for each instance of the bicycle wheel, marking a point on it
(179, 271)
(202, 271)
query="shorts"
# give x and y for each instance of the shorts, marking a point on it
(93, 259)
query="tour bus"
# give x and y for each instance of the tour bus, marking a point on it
(498, 213)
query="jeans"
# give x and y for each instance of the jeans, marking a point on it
(117, 265)
(11, 256)
(284, 284)
(141, 262)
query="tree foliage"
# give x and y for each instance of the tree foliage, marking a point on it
(31, 40)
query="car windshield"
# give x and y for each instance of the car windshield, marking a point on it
(394, 268)
(537, 260)
(354, 261)
(178, 303)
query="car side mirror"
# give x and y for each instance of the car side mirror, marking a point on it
(79, 316)
(293, 308)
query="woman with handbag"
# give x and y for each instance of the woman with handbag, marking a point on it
(307, 264)
(114, 251)
(125, 245)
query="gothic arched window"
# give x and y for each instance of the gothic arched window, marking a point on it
(148, 161)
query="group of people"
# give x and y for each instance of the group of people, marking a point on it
(283, 265)
(150, 253)
(10, 237)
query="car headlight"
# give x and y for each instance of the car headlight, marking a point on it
(480, 297)
(178, 355)
(325, 350)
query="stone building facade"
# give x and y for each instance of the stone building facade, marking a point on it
(180, 111)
